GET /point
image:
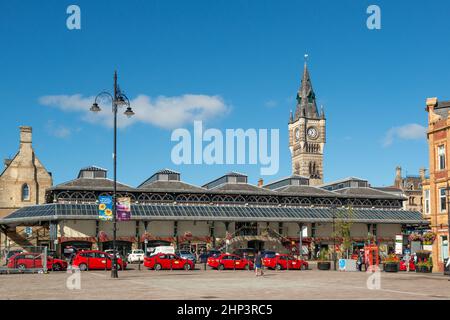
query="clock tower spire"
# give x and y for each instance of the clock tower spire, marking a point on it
(307, 133)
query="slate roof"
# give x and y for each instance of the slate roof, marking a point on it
(305, 190)
(442, 109)
(170, 186)
(366, 193)
(241, 188)
(91, 184)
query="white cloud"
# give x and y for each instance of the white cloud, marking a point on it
(412, 131)
(271, 103)
(164, 112)
(58, 131)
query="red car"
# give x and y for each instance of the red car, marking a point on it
(26, 260)
(167, 261)
(284, 261)
(229, 261)
(412, 266)
(96, 260)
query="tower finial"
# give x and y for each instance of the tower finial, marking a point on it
(306, 58)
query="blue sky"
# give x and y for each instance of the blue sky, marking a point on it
(244, 58)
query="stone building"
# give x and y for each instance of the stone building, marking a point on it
(436, 187)
(307, 134)
(23, 182)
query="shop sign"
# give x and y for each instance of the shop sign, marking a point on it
(399, 244)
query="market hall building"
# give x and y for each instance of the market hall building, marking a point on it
(166, 210)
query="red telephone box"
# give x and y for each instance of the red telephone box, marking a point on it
(371, 255)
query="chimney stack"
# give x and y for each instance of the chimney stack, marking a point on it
(260, 182)
(422, 173)
(25, 134)
(398, 177)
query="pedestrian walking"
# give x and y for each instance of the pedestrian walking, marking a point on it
(258, 264)
(360, 261)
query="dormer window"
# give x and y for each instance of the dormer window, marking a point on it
(92, 172)
(25, 192)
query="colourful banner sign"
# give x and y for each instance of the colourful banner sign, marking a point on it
(124, 209)
(105, 208)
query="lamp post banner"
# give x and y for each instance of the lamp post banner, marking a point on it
(105, 208)
(124, 209)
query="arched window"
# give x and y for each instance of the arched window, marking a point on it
(25, 192)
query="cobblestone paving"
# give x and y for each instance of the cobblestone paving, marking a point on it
(213, 284)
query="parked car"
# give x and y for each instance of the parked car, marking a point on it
(167, 261)
(160, 249)
(268, 254)
(248, 253)
(229, 261)
(96, 260)
(27, 260)
(136, 256)
(111, 252)
(284, 261)
(185, 254)
(9, 254)
(203, 257)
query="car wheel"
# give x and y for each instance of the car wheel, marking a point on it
(247, 267)
(221, 267)
(56, 267)
(278, 267)
(21, 267)
(304, 267)
(83, 267)
(187, 266)
(157, 267)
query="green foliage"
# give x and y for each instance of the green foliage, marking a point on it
(324, 255)
(343, 226)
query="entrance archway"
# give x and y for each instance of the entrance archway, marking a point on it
(258, 245)
(70, 247)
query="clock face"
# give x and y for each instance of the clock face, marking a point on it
(297, 134)
(312, 133)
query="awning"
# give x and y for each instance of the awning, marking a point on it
(162, 212)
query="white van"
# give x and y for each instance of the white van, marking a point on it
(160, 249)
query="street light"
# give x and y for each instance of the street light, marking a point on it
(118, 99)
(333, 212)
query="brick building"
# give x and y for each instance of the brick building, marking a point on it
(436, 187)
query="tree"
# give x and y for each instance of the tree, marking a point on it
(343, 225)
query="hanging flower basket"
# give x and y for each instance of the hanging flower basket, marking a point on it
(146, 236)
(415, 237)
(429, 238)
(187, 236)
(102, 236)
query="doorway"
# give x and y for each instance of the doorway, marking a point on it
(258, 245)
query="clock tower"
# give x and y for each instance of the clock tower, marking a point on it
(307, 133)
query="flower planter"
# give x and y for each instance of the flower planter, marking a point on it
(324, 265)
(391, 267)
(424, 269)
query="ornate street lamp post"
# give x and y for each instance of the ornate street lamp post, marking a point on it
(118, 99)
